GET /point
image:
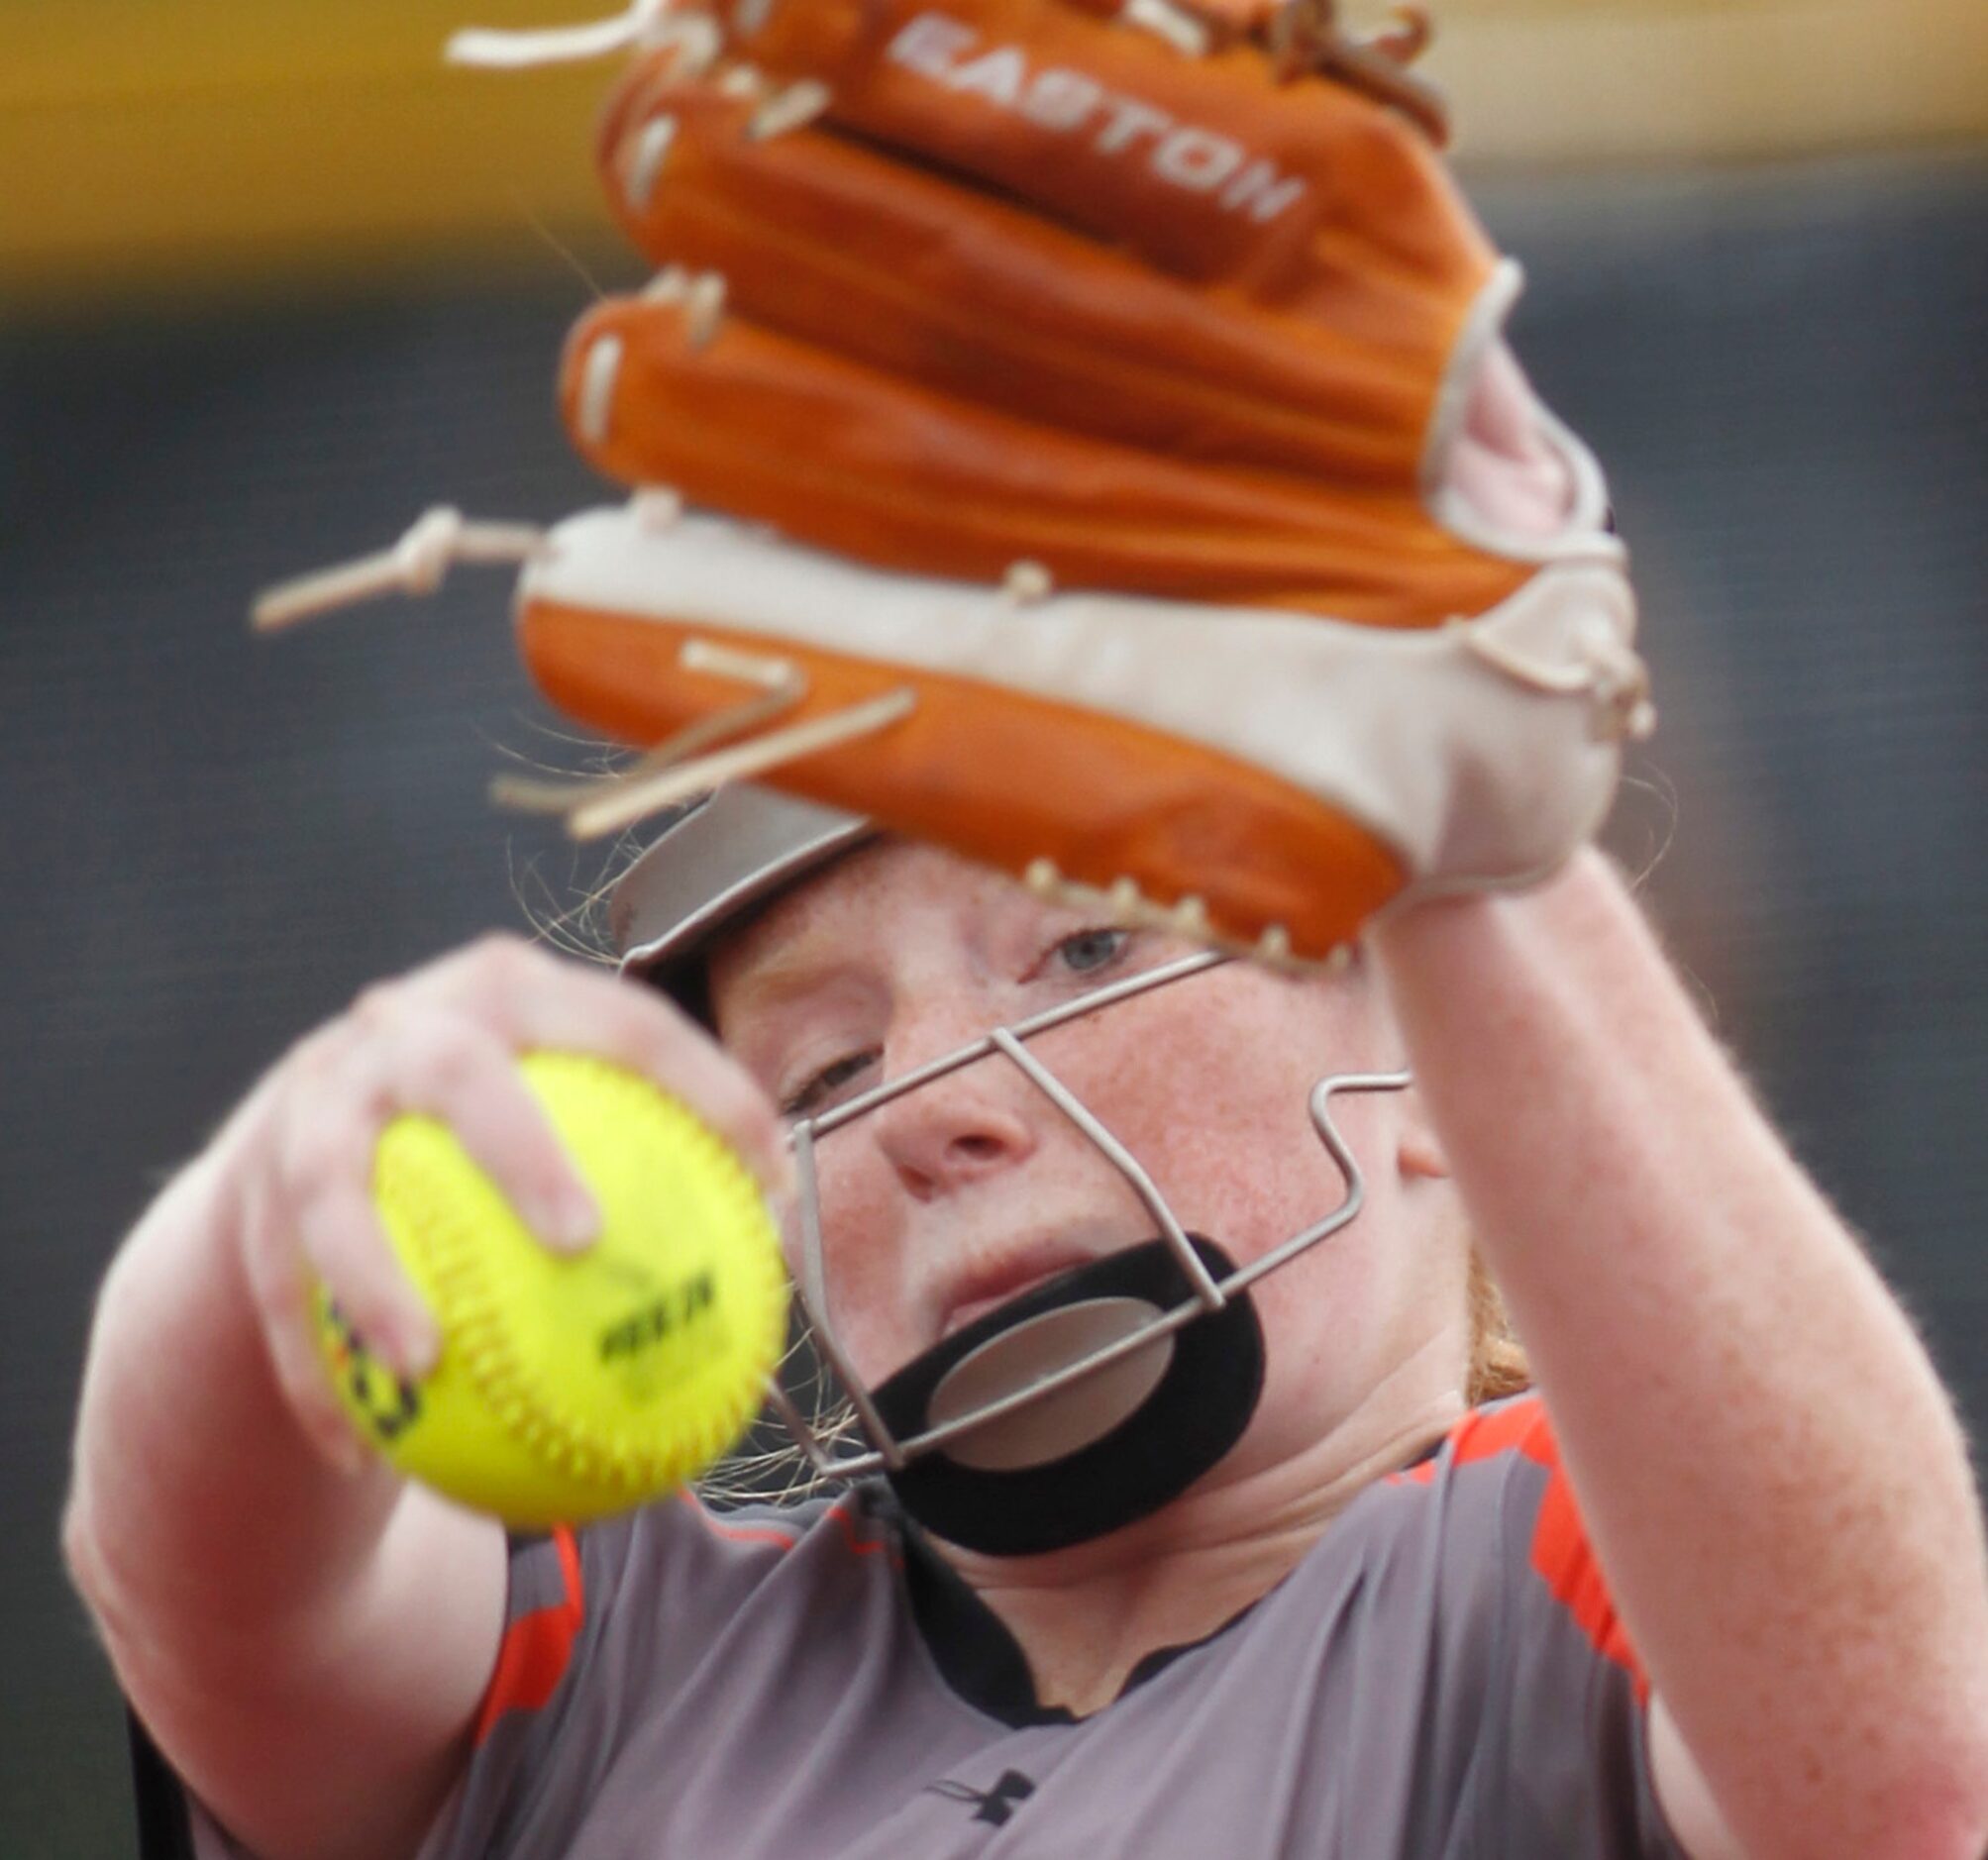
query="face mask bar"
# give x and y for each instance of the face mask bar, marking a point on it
(888, 1454)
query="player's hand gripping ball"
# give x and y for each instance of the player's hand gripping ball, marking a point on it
(572, 1387)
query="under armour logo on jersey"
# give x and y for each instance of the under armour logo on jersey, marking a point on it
(996, 1805)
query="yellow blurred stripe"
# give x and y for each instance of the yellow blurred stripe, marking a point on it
(204, 140)
(1557, 83)
(208, 139)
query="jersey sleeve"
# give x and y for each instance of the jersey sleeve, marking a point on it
(1564, 1751)
(598, 1623)
(600, 1626)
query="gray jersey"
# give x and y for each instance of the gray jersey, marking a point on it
(1442, 1678)
(1443, 1675)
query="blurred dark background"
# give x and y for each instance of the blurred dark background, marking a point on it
(215, 840)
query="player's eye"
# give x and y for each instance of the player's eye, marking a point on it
(1089, 952)
(820, 1088)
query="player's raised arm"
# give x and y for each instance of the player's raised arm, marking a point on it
(1774, 1479)
(305, 1635)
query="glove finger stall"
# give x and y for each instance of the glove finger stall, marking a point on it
(860, 460)
(831, 241)
(988, 771)
(1208, 167)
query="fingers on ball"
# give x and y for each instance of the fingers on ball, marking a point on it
(325, 1160)
(343, 1239)
(636, 1028)
(467, 1077)
(446, 1045)
(280, 1288)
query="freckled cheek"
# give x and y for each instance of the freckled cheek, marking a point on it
(1327, 1297)
(1240, 1165)
(863, 1262)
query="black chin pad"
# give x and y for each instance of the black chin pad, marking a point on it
(1194, 1414)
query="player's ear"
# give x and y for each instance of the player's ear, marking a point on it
(1418, 1152)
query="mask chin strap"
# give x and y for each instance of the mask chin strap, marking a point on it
(1088, 1402)
(1100, 1451)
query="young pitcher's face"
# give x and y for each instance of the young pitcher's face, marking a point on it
(965, 1191)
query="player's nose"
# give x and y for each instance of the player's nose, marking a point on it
(957, 1129)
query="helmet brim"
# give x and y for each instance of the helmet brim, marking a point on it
(722, 857)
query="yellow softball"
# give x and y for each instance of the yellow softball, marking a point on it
(573, 1385)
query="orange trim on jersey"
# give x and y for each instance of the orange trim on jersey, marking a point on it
(537, 1647)
(1566, 1562)
(861, 1546)
(1562, 1556)
(1484, 1433)
(838, 1512)
(739, 1533)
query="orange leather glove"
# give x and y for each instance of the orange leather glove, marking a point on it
(1100, 400)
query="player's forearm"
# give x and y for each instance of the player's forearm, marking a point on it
(198, 1513)
(1770, 1470)
(258, 1603)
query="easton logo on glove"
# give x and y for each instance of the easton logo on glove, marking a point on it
(1069, 102)
(1081, 436)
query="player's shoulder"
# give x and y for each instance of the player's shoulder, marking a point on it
(1498, 1509)
(1500, 1437)
(720, 1550)
(834, 1532)
(1481, 1489)
(625, 1605)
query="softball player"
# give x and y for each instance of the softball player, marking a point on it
(1201, 1500)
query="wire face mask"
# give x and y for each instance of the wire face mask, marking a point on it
(1081, 1403)
(1089, 1400)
